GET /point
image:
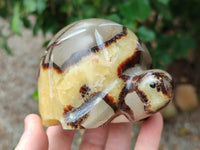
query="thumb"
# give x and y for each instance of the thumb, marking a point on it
(34, 136)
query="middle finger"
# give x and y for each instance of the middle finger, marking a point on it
(59, 139)
(94, 139)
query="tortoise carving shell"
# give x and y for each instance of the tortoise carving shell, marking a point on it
(95, 70)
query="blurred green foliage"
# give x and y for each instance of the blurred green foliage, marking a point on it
(170, 28)
(35, 95)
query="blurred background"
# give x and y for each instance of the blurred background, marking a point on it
(169, 28)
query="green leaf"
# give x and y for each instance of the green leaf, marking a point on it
(36, 28)
(88, 11)
(172, 47)
(187, 41)
(30, 5)
(26, 22)
(145, 34)
(50, 25)
(182, 44)
(35, 95)
(132, 25)
(16, 22)
(113, 17)
(166, 59)
(34, 5)
(64, 9)
(137, 9)
(126, 10)
(165, 2)
(2, 43)
(45, 44)
(142, 9)
(7, 49)
(4, 12)
(163, 10)
(41, 5)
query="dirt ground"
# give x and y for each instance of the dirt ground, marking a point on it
(18, 81)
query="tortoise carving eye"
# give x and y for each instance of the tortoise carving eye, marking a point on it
(152, 84)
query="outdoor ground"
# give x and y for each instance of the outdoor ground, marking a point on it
(18, 81)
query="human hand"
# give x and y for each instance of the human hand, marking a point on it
(115, 136)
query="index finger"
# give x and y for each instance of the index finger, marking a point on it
(150, 133)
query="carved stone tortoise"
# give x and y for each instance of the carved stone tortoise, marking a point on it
(94, 70)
